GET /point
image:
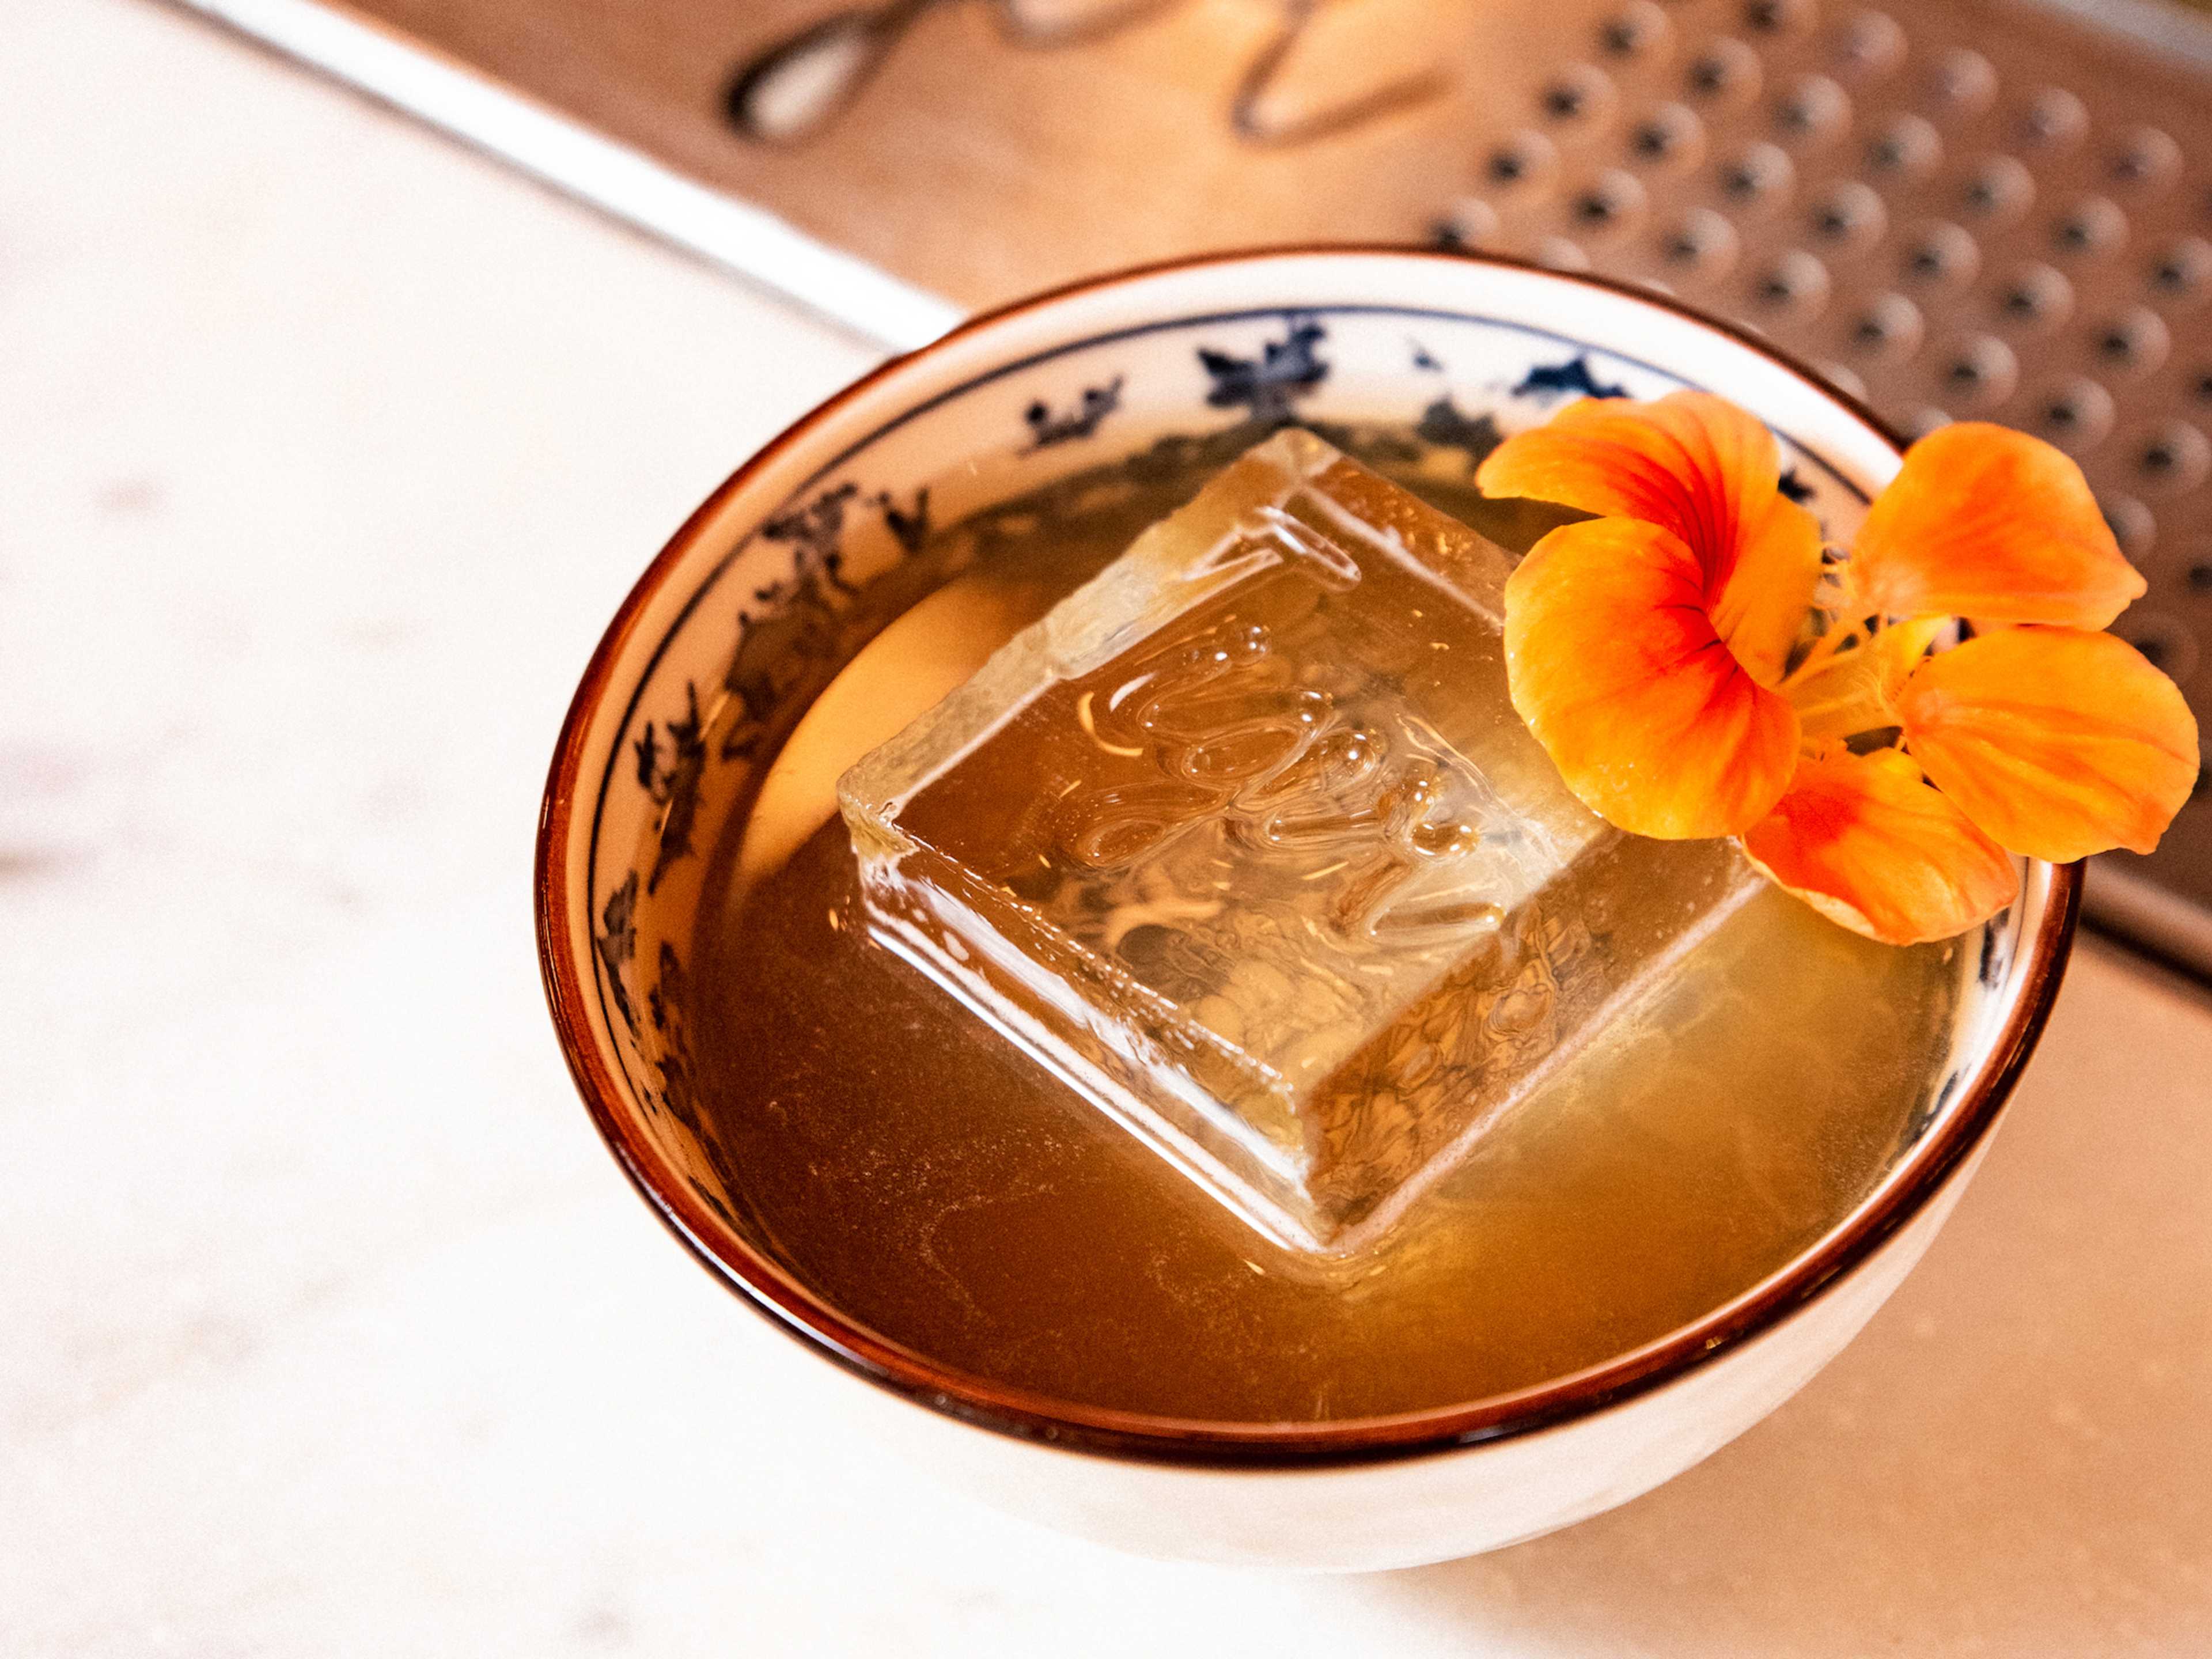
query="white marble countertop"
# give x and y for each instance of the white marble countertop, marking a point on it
(326, 1326)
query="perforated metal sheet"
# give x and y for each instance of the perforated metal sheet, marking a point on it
(1955, 211)
(1959, 207)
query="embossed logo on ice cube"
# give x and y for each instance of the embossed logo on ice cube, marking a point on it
(1248, 740)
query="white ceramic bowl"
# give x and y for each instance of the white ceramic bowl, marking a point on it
(766, 591)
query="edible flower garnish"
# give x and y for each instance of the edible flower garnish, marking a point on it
(1882, 728)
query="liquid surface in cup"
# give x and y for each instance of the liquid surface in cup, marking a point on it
(933, 1181)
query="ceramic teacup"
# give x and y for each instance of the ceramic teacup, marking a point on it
(802, 556)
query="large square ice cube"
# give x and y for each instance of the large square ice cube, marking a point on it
(1245, 840)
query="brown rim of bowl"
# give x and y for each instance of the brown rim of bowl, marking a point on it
(1042, 1420)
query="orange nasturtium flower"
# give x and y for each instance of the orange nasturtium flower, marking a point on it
(1881, 730)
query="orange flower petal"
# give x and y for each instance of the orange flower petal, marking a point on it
(1703, 469)
(1616, 668)
(1863, 841)
(1990, 523)
(1761, 610)
(2058, 742)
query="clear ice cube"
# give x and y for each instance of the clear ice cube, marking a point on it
(1245, 840)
